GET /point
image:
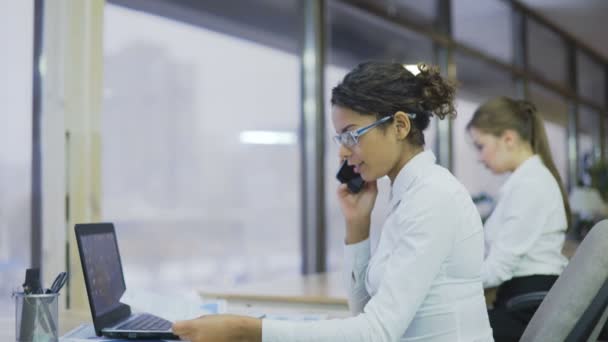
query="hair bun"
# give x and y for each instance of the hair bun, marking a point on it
(437, 94)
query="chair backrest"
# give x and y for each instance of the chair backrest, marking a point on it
(576, 304)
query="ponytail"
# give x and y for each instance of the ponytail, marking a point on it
(540, 146)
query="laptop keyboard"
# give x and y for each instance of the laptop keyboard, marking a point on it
(146, 322)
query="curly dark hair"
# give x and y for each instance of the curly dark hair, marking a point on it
(384, 88)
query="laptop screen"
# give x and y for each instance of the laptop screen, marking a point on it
(103, 271)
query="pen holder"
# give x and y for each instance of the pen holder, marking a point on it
(36, 317)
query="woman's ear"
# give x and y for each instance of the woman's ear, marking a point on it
(510, 138)
(403, 125)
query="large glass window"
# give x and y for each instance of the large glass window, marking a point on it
(546, 53)
(484, 25)
(16, 34)
(200, 154)
(478, 77)
(554, 110)
(356, 37)
(591, 79)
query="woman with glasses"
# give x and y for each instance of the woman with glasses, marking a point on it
(423, 281)
(526, 231)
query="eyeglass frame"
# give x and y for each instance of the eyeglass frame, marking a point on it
(355, 134)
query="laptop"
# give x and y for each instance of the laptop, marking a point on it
(105, 285)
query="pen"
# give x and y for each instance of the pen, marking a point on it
(58, 283)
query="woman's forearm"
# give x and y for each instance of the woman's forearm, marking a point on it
(357, 232)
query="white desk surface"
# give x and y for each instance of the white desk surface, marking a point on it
(322, 288)
(317, 293)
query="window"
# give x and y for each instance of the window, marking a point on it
(591, 79)
(200, 153)
(484, 25)
(546, 53)
(16, 33)
(477, 77)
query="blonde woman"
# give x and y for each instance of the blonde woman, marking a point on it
(525, 233)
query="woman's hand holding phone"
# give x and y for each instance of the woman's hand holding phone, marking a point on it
(357, 210)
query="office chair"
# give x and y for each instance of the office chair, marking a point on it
(575, 309)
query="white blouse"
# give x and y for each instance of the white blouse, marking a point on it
(422, 283)
(526, 231)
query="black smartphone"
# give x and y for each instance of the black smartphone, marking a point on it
(347, 175)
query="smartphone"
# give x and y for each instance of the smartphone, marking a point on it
(353, 180)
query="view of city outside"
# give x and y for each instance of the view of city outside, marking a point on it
(16, 30)
(200, 154)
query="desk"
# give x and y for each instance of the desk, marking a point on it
(319, 293)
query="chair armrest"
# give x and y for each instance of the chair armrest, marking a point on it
(526, 301)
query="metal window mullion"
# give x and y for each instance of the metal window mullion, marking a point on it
(603, 136)
(36, 176)
(312, 137)
(572, 129)
(520, 50)
(445, 59)
(604, 118)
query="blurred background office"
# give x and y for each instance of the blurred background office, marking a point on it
(201, 128)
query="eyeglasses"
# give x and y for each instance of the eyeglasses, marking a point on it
(351, 138)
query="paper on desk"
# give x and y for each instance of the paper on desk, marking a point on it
(170, 308)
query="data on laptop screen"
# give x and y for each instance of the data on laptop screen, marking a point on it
(103, 271)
